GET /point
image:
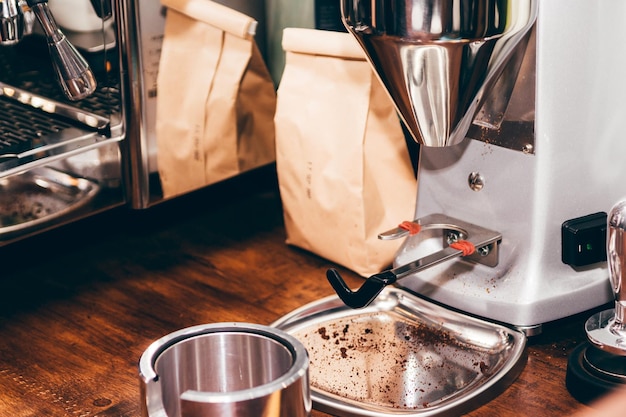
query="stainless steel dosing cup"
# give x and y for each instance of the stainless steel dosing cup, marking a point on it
(226, 370)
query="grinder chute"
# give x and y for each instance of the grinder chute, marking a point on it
(439, 58)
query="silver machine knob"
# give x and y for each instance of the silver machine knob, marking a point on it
(607, 330)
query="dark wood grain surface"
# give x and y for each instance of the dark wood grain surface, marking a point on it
(80, 304)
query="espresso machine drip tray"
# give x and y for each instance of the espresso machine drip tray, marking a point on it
(40, 196)
(403, 356)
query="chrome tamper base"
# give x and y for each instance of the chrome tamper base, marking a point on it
(599, 365)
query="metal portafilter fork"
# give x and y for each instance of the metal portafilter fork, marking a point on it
(484, 250)
(72, 71)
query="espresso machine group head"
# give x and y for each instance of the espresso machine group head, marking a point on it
(518, 109)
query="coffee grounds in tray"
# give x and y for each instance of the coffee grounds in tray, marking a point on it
(24, 210)
(385, 360)
(28, 197)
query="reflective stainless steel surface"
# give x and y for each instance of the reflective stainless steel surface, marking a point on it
(225, 369)
(40, 196)
(607, 330)
(81, 116)
(616, 256)
(438, 58)
(11, 22)
(402, 355)
(72, 70)
(44, 130)
(109, 136)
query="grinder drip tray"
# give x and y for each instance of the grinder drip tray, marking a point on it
(39, 197)
(403, 355)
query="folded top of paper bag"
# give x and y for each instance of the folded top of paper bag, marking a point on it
(217, 15)
(322, 42)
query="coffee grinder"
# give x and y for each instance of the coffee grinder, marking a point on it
(519, 110)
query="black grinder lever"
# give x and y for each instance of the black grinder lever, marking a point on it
(476, 244)
(366, 293)
(375, 283)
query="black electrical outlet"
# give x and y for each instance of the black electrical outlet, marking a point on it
(583, 240)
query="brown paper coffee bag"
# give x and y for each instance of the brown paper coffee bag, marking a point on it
(344, 171)
(216, 99)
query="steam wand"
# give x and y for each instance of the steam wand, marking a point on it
(73, 73)
(477, 244)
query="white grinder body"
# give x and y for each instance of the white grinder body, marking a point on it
(571, 167)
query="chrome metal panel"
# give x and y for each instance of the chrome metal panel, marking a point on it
(438, 59)
(402, 355)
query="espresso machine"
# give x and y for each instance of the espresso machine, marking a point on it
(78, 111)
(518, 107)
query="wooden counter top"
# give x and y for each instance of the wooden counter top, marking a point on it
(80, 304)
